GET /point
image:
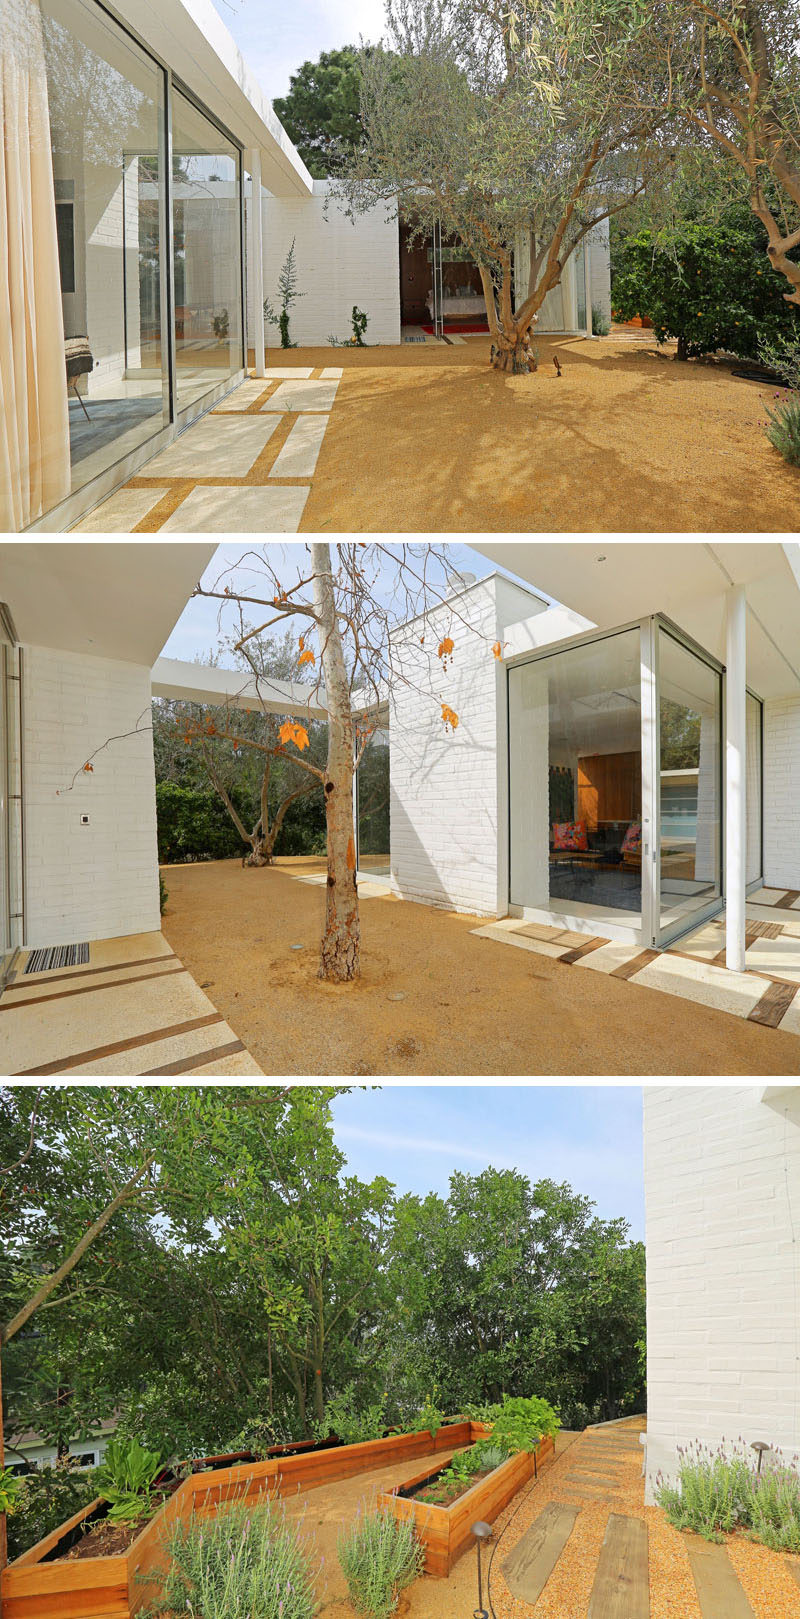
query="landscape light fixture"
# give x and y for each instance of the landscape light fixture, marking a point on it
(481, 1531)
(759, 1445)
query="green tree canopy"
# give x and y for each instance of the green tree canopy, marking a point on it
(321, 112)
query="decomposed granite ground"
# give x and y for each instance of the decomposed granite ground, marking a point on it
(434, 997)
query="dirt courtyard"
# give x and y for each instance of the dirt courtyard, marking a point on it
(433, 999)
(428, 438)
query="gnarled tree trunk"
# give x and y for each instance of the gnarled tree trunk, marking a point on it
(341, 941)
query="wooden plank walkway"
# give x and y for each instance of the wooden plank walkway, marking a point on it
(621, 1587)
(528, 1568)
(718, 1590)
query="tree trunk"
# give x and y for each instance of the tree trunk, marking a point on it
(682, 353)
(261, 852)
(514, 355)
(341, 940)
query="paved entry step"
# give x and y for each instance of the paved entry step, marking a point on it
(528, 1568)
(621, 1587)
(718, 1590)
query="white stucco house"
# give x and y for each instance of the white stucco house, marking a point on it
(158, 196)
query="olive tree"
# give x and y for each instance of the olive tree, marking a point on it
(512, 129)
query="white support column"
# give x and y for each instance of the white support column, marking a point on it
(256, 266)
(735, 778)
(587, 282)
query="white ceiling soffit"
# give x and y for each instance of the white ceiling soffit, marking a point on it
(615, 582)
(104, 599)
(196, 683)
(190, 36)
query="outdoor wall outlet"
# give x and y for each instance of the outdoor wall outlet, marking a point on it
(84, 820)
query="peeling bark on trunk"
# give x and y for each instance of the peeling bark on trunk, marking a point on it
(341, 941)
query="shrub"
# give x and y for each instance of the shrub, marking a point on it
(163, 894)
(193, 824)
(351, 1422)
(783, 358)
(601, 325)
(287, 295)
(775, 1509)
(379, 1556)
(713, 1495)
(522, 1423)
(708, 285)
(125, 1479)
(245, 1563)
(359, 322)
(10, 1487)
(429, 1419)
(47, 1497)
(783, 430)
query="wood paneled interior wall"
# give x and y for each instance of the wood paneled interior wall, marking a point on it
(609, 788)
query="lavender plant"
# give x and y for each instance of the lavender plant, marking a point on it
(245, 1563)
(379, 1556)
(775, 1511)
(714, 1492)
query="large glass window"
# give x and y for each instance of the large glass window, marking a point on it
(576, 780)
(106, 101)
(372, 790)
(206, 202)
(690, 843)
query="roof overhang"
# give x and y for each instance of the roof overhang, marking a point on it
(103, 599)
(190, 38)
(231, 688)
(613, 583)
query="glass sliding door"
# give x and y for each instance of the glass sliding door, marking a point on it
(206, 217)
(107, 124)
(575, 729)
(688, 787)
(372, 803)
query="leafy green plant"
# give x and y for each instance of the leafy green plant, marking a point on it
(352, 1423)
(522, 1423)
(775, 1509)
(288, 295)
(245, 1563)
(783, 430)
(46, 1497)
(125, 1479)
(221, 323)
(359, 322)
(713, 1494)
(463, 1469)
(601, 325)
(163, 894)
(379, 1556)
(10, 1486)
(783, 357)
(429, 1419)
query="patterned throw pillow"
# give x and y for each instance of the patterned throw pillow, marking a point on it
(569, 835)
(632, 841)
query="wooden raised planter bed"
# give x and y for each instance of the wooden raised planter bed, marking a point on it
(446, 1532)
(41, 1584)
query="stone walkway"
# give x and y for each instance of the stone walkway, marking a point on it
(131, 1009)
(693, 968)
(246, 467)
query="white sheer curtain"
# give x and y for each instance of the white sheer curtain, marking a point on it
(34, 414)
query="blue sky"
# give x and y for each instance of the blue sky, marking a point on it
(417, 1135)
(196, 630)
(276, 39)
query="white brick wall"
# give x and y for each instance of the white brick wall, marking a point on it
(101, 880)
(339, 263)
(722, 1191)
(449, 790)
(782, 793)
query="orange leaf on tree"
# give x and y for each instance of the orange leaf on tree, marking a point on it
(306, 657)
(293, 731)
(89, 767)
(450, 717)
(497, 650)
(445, 647)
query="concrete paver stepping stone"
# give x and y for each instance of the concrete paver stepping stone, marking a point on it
(288, 371)
(718, 1590)
(254, 509)
(621, 1587)
(302, 396)
(215, 447)
(298, 456)
(529, 1566)
(330, 372)
(246, 394)
(121, 512)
